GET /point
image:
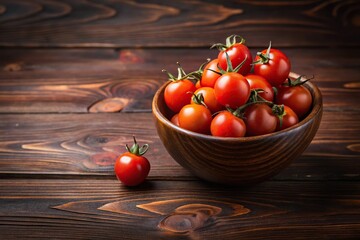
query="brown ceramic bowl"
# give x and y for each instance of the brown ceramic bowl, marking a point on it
(239, 161)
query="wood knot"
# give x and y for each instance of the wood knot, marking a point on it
(190, 217)
(13, 67)
(109, 105)
(103, 159)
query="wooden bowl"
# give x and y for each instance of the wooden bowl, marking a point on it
(236, 161)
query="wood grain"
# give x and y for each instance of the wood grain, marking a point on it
(87, 145)
(177, 23)
(160, 209)
(83, 80)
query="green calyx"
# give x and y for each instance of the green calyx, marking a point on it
(297, 81)
(199, 99)
(196, 75)
(230, 41)
(136, 149)
(279, 111)
(237, 112)
(254, 98)
(229, 68)
(181, 74)
(263, 57)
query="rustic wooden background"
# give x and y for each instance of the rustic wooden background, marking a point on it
(76, 82)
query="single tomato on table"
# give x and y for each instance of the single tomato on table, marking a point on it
(131, 168)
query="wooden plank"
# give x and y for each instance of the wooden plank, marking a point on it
(104, 209)
(88, 144)
(177, 23)
(57, 80)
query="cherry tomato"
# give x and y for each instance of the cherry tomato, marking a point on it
(289, 118)
(198, 84)
(209, 99)
(237, 53)
(209, 77)
(226, 124)
(258, 82)
(298, 98)
(178, 94)
(131, 168)
(259, 120)
(175, 119)
(196, 118)
(273, 65)
(232, 90)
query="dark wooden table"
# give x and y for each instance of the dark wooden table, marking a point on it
(76, 82)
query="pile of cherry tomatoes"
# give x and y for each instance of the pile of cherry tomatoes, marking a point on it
(235, 95)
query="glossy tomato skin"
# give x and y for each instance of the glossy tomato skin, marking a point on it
(237, 53)
(175, 119)
(289, 119)
(298, 98)
(208, 77)
(259, 120)
(209, 99)
(232, 90)
(198, 84)
(131, 169)
(178, 94)
(225, 124)
(196, 118)
(259, 82)
(276, 70)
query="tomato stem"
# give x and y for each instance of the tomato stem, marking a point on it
(263, 58)
(136, 149)
(229, 42)
(279, 111)
(196, 75)
(297, 81)
(199, 99)
(181, 74)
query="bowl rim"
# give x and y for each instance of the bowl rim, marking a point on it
(316, 108)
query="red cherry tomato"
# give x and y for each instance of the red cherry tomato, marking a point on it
(198, 84)
(273, 66)
(288, 119)
(196, 118)
(259, 120)
(209, 77)
(131, 168)
(226, 124)
(232, 90)
(258, 82)
(237, 53)
(209, 99)
(178, 94)
(298, 98)
(175, 119)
